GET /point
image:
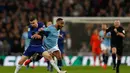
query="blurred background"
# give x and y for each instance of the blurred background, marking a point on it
(14, 18)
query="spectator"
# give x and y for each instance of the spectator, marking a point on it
(84, 51)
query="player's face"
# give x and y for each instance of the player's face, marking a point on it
(34, 23)
(60, 24)
(104, 26)
(117, 23)
(95, 31)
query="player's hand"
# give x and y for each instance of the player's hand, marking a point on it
(36, 36)
(115, 30)
(40, 29)
(102, 39)
(61, 36)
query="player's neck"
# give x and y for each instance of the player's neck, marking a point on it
(56, 26)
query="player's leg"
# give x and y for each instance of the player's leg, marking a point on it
(104, 55)
(35, 57)
(49, 57)
(114, 50)
(57, 54)
(60, 61)
(105, 58)
(55, 51)
(25, 56)
(49, 66)
(98, 53)
(94, 54)
(107, 54)
(119, 54)
(20, 63)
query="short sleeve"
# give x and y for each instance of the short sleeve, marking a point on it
(109, 29)
(122, 30)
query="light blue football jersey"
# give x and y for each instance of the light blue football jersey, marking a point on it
(52, 35)
(106, 41)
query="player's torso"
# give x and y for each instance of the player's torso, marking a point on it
(106, 41)
(116, 39)
(52, 38)
(95, 40)
(35, 30)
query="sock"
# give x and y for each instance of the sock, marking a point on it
(51, 68)
(27, 66)
(60, 64)
(33, 61)
(104, 59)
(18, 67)
(94, 60)
(48, 65)
(118, 65)
(114, 59)
(54, 65)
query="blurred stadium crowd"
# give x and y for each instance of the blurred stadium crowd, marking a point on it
(14, 15)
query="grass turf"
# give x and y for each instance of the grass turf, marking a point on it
(71, 69)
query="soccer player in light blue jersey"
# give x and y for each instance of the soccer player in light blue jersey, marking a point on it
(51, 40)
(105, 45)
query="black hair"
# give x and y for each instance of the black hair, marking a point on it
(59, 19)
(31, 18)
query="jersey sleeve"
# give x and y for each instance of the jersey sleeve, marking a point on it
(42, 25)
(109, 29)
(45, 31)
(122, 30)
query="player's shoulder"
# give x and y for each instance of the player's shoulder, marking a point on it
(120, 27)
(52, 27)
(41, 24)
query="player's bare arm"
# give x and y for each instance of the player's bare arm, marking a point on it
(121, 34)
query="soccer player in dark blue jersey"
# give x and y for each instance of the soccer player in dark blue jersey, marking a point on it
(61, 41)
(35, 45)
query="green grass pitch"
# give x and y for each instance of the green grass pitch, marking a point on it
(71, 69)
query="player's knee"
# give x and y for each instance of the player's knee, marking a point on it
(114, 50)
(49, 57)
(118, 57)
(21, 62)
